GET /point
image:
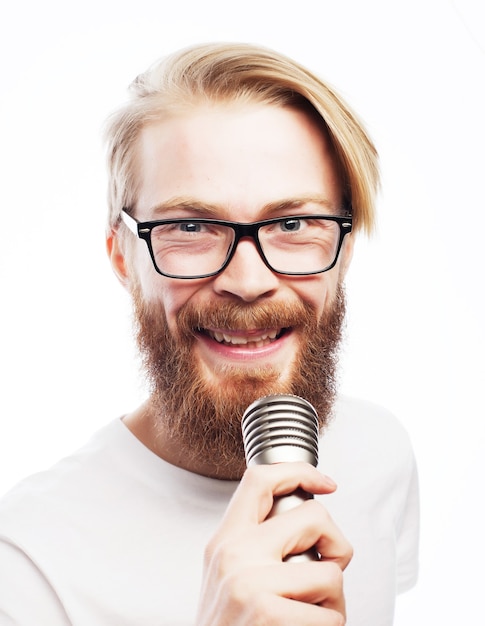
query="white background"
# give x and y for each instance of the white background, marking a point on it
(415, 71)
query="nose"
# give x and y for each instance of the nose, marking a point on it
(246, 277)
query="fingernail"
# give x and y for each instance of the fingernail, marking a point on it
(330, 482)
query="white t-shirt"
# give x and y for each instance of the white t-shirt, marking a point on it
(114, 535)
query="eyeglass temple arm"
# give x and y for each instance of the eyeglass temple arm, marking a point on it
(130, 222)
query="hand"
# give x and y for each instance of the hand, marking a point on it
(246, 582)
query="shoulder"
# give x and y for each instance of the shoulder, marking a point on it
(37, 495)
(355, 418)
(365, 435)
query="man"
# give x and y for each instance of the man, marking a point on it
(150, 523)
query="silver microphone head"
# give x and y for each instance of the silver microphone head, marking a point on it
(280, 428)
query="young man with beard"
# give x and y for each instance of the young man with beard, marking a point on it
(156, 521)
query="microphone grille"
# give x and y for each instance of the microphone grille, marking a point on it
(280, 428)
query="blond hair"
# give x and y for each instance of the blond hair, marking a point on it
(239, 72)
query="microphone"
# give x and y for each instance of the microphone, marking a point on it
(278, 429)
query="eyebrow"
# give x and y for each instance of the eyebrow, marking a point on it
(210, 210)
(186, 204)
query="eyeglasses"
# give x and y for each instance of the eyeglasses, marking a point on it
(198, 248)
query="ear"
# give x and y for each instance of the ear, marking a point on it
(346, 253)
(117, 256)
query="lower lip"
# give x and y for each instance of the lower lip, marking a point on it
(245, 352)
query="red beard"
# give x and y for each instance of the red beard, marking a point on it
(204, 418)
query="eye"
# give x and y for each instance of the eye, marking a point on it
(191, 227)
(291, 225)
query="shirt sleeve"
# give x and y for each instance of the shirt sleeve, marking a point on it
(26, 597)
(408, 534)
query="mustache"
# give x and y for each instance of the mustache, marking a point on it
(237, 316)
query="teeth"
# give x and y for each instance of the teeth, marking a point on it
(239, 340)
(235, 340)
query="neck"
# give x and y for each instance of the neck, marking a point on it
(149, 427)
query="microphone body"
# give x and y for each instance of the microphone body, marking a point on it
(279, 429)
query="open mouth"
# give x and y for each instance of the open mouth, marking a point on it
(253, 339)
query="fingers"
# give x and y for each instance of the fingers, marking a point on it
(301, 528)
(246, 580)
(253, 500)
(243, 537)
(304, 593)
(293, 532)
(284, 613)
(317, 583)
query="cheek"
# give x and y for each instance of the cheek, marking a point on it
(168, 294)
(318, 291)
(156, 292)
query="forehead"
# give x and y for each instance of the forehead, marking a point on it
(233, 156)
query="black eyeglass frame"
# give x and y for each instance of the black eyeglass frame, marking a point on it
(241, 229)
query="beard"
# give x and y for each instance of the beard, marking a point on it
(202, 415)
